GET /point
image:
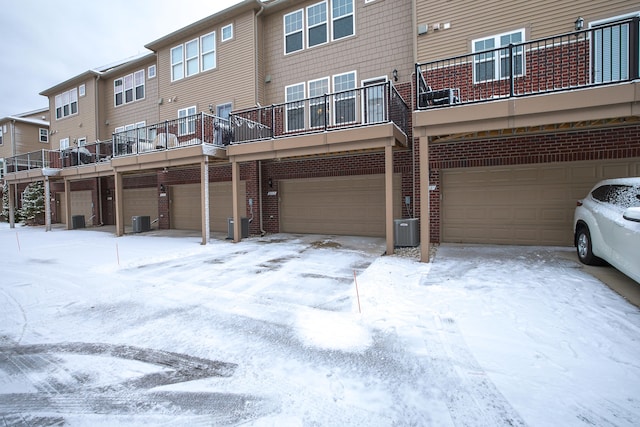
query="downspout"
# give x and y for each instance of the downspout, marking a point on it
(257, 95)
(97, 130)
(414, 22)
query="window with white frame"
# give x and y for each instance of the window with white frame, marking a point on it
(293, 34)
(138, 81)
(318, 114)
(186, 121)
(151, 71)
(374, 102)
(44, 135)
(294, 96)
(64, 143)
(497, 64)
(191, 52)
(82, 142)
(67, 103)
(317, 26)
(208, 51)
(177, 61)
(129, 88)
(81, 90)
(344, 108)
(227, 32)
(342, 19)
(1, 137)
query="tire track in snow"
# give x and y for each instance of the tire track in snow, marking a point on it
(472, 398)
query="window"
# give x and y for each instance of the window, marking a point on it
(293, 32)
(344, 99)
(64, 144)
(67, 103)
(223, 110)
(227, 32)
(186, 121)
(82, 142)
(191, 57)
(177, 60)
(611, 51)
(317, 108)
(208, 43)
(129, 88)
(495, 65)
(317, 24)
(118, 92)
(44, 135)
(138, 80)
(294, 96)
(1, 137)
(151, 71)
(342, 19)
(81, 90)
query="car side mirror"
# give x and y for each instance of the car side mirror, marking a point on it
(632, 214)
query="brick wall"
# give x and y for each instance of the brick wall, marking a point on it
(587, 145)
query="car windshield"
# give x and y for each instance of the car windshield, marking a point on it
(624, 196)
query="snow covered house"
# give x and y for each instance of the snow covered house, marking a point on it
(339, 116)
(523, 106)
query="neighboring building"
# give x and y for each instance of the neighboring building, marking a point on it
(529, 127)
(23, 133)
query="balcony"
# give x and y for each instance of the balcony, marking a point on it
(357, 119)
(601, 56)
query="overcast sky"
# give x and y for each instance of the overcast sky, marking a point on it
(43, 43)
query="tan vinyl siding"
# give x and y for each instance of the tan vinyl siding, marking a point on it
(382, 43)
(470, 20)
(233, 79)
(81, 125)
(144, 110)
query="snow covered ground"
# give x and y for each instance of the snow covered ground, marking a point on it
(156, 329)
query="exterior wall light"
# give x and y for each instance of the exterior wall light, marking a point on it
(579, 24)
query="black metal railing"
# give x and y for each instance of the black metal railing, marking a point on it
(97, 152)
(363, 106)
(187, 131)
(601, 55)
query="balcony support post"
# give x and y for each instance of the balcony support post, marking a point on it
(425, 224)
(388, 190)
(67, 203)
(235, 184)
(47, 204)
(204, 197)
(117, 178)
(12, 205)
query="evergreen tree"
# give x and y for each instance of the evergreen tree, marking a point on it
(32, 203)
(5, 204)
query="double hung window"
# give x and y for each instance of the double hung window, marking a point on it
(611, 51)
(318, 113)
(186, 121)
(208, 51)
(293, 35)
(342, 19)
(128, 88)
(67, 103)
(295, 107)
(317, 27)
(344, 99)
(494, 63)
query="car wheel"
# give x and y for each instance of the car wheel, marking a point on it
(583, 247)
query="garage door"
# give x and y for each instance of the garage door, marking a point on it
(352, 205)
(186, 207)
(140, 202)
(81, 204)
(527, 205)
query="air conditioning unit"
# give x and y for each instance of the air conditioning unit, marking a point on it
(141, 223)
(407, 232)
(244, 228)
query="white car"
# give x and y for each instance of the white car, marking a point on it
(607, 225)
